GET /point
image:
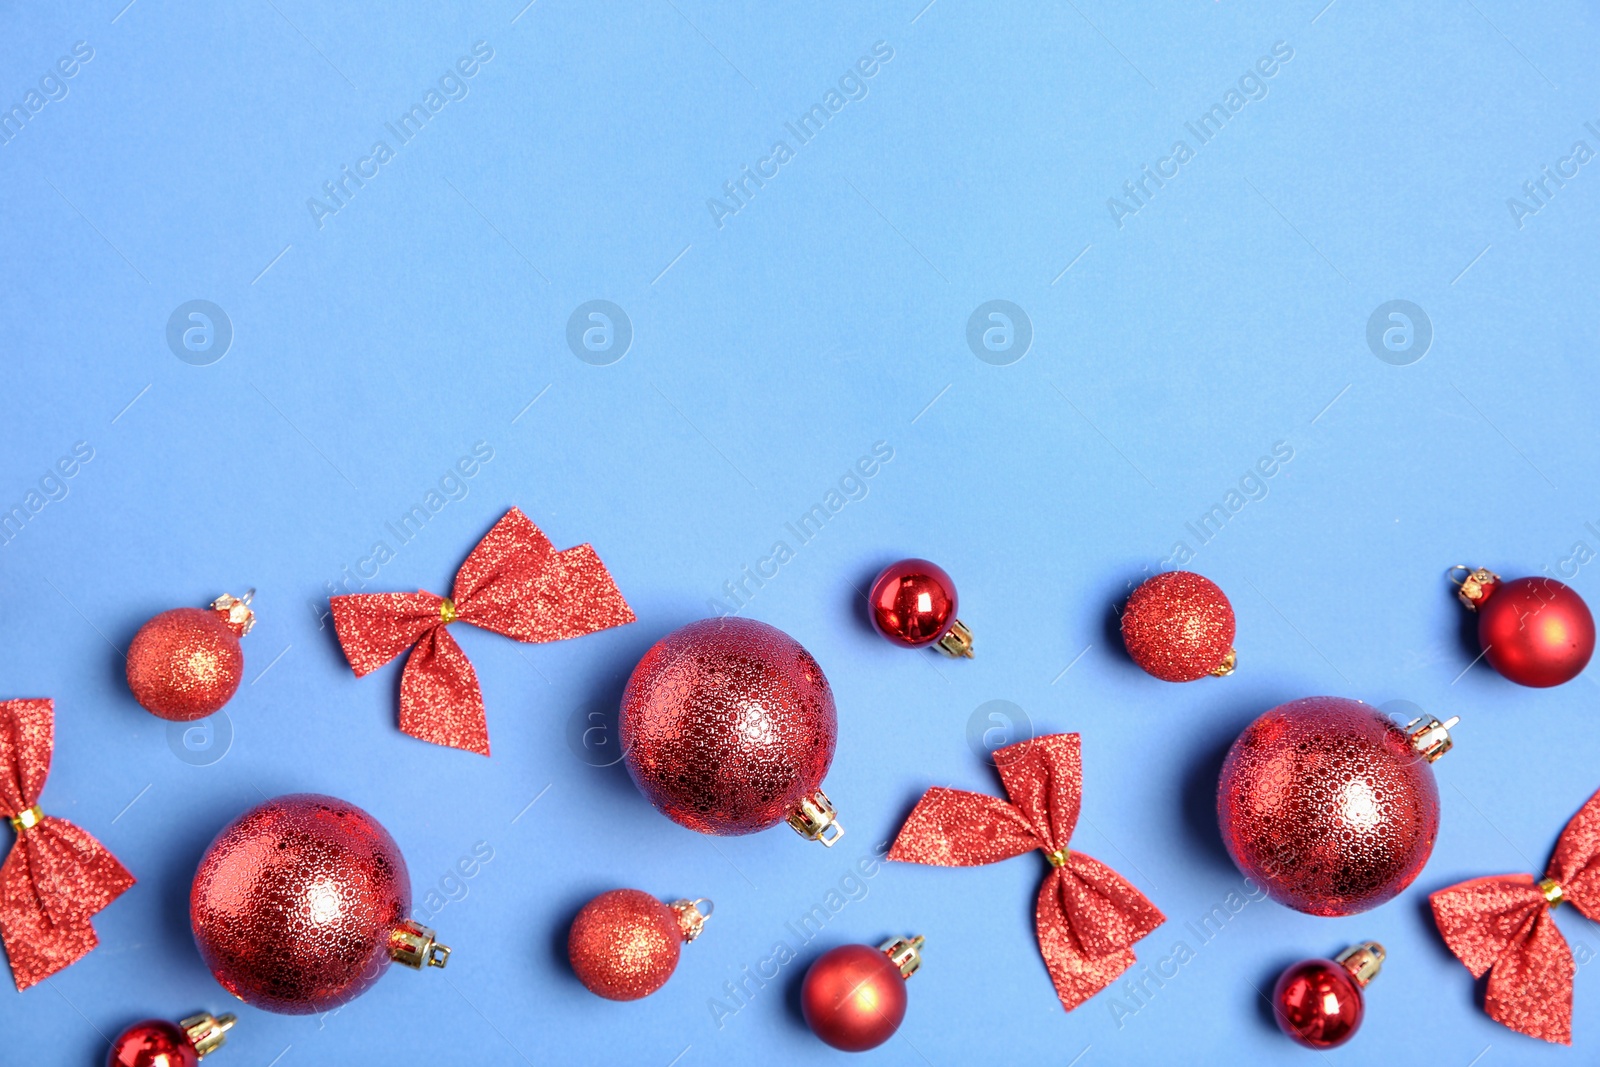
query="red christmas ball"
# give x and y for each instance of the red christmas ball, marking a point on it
(1179, 626)
(152, 1043)
(914, 604)
(1534, 631)
(1329, 805)
(728, 727)
(301, 903)
(854, 996)
(1319, 1002)
(184, 664)
(624, 944)
(158, 1043)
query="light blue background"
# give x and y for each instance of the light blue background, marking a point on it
(769, 354)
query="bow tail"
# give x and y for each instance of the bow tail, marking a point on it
(1530, 986)
(1501, 926)
(440, 700)
(37, 949)
(51, 884)
(1076, 973)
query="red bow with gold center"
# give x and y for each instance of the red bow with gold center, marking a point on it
(57, 877)
(514, 583)
(1502, 925)
(1087, 916)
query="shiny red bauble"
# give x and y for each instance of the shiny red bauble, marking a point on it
(186, 663)
(301, 903)
(1329, 805)
(913, 603)
(624, 944)
(152, 1043)
(158, 1043)
(728, 727)
(1179, 626)
(1319, 1002)
(854, 996)
(1535, 631)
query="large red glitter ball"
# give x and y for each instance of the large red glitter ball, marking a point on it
(1179, 626)
(1325, 803)
(624, 944)
(853, 997)
(1318, 1003)
(152, 1043)
(913, 602)
(185, 663)
(295, 901)
(1536, 631)
(727, 724)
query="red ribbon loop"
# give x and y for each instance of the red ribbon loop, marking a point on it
(56, 877)
(514, 583)
(1087, 916)
(1501, 926)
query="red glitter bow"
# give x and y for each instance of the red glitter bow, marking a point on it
(1503, 926)
(514, 583)
(57, 876)
(1087, 916)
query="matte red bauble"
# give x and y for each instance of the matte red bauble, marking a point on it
(854, 997)
(1329, 805)
(914, 602)
(158, 1043)
(624, 944)
(1319, 1002)
(301, 903)
(1178, 626)
(186, 663)
(728, 727)
(1534, 631)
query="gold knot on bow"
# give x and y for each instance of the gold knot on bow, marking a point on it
(1059, 857)
(27, 819)
(1553, 893)
(447, 610)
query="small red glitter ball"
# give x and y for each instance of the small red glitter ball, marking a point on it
(186, 663)
(1536, 631)
(1326, 803)
(853, 997)
(1319, 1002)
(913, 602)
(297, 901)
(728, 726)
(152, 1043)
(625, 944)
(1179, 626)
